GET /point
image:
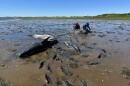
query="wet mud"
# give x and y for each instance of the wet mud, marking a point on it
(94, 59)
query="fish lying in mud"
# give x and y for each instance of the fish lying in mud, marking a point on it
(38, 47)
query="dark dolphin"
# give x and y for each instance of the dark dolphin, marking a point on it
(37, 48)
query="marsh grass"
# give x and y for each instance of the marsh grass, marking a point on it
(125, 16)
(73, 65)
(85, 56)
(3, 82)
(126, 72)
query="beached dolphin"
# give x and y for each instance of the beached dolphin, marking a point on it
(44, 36)
(38, 47)
(74, 46)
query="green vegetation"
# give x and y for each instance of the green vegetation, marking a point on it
(85, 55)
(3, 82)
(126, 72)
(73, 65)
(125, 16)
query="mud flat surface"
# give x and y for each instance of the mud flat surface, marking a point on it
(103, 59)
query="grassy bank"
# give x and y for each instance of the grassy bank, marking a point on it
(125, 16)
(113, 16)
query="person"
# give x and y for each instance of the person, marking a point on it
(76, 26)
(86, 28)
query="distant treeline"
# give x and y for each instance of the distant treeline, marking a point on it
(113, 16)
(125, 16)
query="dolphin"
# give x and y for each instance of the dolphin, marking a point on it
(74, 46)
(38, 47)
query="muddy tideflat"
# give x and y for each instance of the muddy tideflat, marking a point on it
(104, 53)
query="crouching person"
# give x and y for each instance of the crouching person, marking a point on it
(86, 28)
(76, 26)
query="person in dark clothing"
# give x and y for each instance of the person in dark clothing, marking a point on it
(76, 26)
(86, 28)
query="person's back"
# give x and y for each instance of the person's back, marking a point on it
(76, 26)
(86, 28)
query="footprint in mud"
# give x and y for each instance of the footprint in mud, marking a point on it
(110, 40)
(110, 32)
(93, 62)
(127, 39)
(67, 82)
(102, 35)
(120, 28)
(59, 82)
(66, 71)
(48, 78)
(98, 59)
(41, 64)
(49, 67)
(84, 82)
(103, 54)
